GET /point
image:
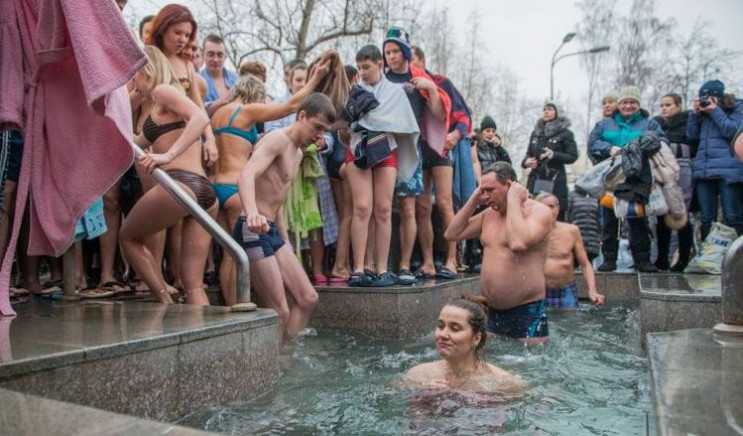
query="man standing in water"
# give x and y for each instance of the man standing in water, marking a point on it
(514, 231)
(263, 188)
(566, 245)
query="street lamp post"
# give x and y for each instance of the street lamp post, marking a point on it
(555, 58)
(565, 39)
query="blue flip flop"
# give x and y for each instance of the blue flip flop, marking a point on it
(446, 274)
(422, 275)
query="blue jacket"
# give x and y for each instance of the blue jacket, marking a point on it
(617, 132)
(211, 89)
(714, 132)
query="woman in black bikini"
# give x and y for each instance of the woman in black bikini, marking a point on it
(173, 129)
(173, 31)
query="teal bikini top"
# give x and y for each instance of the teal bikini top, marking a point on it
(248, 135)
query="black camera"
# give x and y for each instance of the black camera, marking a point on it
(704, 100)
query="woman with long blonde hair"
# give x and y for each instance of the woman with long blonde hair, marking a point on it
(173, 130)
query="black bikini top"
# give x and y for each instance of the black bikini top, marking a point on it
(151, 130)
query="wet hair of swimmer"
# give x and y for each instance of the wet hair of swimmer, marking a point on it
(504, 172)
(477, 307)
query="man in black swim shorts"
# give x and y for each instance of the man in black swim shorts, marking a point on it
(263, 188)
(257, 246)
(514, 231)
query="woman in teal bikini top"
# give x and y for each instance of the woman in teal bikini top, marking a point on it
(249, 135)
(234, 128)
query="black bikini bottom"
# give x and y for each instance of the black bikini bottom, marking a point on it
(200, 185)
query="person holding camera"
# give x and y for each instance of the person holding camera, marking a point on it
(607, 138)
(715, 118)
(551, 147)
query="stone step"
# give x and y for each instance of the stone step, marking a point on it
(678, 301)
(24, 414)
(696, 383)
(617, 287)
(389, 313)
(147, 360)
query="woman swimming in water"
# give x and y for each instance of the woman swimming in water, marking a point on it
(460, 334)
(234, 126)
(173, 129)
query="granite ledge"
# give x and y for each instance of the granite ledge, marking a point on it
(412, 289)
(680, 296)
(29, 414)
(696, 382)
(76, 355)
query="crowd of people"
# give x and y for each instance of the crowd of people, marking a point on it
(307, 182)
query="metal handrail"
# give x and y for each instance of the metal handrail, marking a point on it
(211, 226)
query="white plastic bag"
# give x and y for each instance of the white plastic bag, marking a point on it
(624, 255)
(592, 181)
(657, 204)
(709, 258)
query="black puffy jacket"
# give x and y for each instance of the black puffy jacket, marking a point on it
(560, 140)
(583, 211)
(675, 129)
(488, 153)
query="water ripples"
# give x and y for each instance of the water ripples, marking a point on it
(591, 379)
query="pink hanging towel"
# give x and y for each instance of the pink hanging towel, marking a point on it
(77, 57)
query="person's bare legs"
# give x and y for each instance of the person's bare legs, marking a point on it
(109, 241)
(211, 267)
(194, 251)
(155, 211)
(443, 177)
(265, 278)
(298, 285)
(425, 227)
(384, 191)
(361, 183)
(7, 209)
(228, 268)
(174, 243)
(80, 277)
(317, 252)
(408, 229)
(29, 264)
(156, 242)
(344, 204)
(369, 251)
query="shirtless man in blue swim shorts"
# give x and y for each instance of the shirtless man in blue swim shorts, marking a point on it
(263, 188)
(565, 247)
(514, 231)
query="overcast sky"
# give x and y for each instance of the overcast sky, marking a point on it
(524, 34)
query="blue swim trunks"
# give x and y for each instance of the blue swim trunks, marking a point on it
(563, 298)
(224, 192)
(526, 321)
(257, 246)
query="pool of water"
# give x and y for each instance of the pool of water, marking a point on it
(591, 379)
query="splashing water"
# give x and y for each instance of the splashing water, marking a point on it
(591, 379)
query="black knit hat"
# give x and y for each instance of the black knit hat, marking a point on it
(554, 107)
(488, 123)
